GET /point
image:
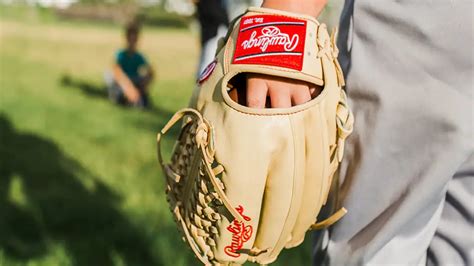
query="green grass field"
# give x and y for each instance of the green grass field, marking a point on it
(79, 182)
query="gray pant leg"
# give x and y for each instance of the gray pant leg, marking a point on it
(453, 243)
(409, 75)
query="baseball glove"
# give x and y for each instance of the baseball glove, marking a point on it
(244, 183)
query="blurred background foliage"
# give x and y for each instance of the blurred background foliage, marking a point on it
(159, 13)
(79, 182)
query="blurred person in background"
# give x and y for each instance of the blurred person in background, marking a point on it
(236, 7)
(214, 17)
(213, 21)
(128, 82)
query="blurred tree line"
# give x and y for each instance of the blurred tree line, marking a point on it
(163, 13)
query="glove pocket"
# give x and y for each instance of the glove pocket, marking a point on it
(315, 172)
(246, 146)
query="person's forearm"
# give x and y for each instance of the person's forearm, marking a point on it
(308, 7)
(124, 82)
(121, 78)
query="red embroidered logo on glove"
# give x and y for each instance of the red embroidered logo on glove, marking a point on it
(241, 233)
(271, 40)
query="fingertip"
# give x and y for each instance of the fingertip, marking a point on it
(256, 92)
(300, 95)
(280, 97)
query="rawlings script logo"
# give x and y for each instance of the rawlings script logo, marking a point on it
(241, 233)
(271, 36)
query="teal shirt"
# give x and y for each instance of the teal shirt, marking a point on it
(130, 63)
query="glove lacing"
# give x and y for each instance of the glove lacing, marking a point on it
(194, 201)
(344, 119)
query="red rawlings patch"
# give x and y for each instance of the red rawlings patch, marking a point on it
(271, 40)
(241, 233)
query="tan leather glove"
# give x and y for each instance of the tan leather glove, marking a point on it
(244, 183)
